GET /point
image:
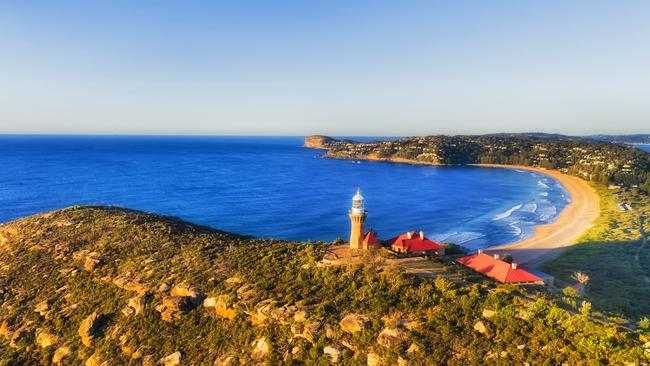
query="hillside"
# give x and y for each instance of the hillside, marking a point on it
(100, 285)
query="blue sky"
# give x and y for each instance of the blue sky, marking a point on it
(331, 67)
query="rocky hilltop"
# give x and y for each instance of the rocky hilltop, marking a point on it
(318, 141)
(109, 286)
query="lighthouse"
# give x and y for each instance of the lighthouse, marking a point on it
(357, 219)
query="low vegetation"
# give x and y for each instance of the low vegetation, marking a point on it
(92, 284)
(614, 256)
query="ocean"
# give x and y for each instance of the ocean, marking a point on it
(643, 147)
(272, 187)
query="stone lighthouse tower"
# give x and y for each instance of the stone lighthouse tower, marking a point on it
(357, 219)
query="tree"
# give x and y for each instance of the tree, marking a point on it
(580, 277)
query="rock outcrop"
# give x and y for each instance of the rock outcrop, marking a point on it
(90, 328)
(172, 360)
(192, 293)
(60, 355)
(224, 307)
(481, 328)
(261, 349)
(137, 303)
(130, 283)
(45, 339)
(333, 353)
(353, 323)
(390, 337)
(173, 307)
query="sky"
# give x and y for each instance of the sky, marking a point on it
(351, 68)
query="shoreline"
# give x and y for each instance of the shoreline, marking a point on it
(573, 221)
(548, 240)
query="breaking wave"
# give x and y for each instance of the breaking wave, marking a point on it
(507, 214)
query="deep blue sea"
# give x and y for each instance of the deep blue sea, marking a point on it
(271, 187)
(644, 147)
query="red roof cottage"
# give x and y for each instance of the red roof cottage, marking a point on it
(370, 241)
(499, 270)
(415, 244)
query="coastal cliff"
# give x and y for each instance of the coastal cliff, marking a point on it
(102, 285)
(318, 141)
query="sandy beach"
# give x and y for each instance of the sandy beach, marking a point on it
(571, 223)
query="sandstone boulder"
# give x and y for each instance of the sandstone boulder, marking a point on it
(233, 280)
(390, 337)
(43, 308)
(92, 261)
(334, 353)
(310, 332)
(353, 323)
(300, 316)
(183, 289)
(413, 348)
(373, 359)
(60, 354)
(261, 349)
(224, 307)
(130, 283)
(95, 360)
(137, 303)
(172, 360)
(90, 328)
(263, 312)
(480, 327)
(246, 292)
(210, 302)
(45, 339)
(488, 313)
(225, 360)
(173, 307)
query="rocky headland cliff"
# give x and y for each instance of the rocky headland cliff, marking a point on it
(318, 141)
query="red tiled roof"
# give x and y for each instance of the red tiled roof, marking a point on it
(370, 238)
(497, 269)
(415, 243)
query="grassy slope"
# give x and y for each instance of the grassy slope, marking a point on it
(607, 253)
(157, 249)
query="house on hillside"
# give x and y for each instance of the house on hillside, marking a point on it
(414, 244)
(370, 241)
(499, 270)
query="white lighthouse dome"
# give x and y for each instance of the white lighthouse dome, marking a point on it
(357, 204)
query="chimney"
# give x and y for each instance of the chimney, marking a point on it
(421, 234)
(409, 234)
(480, 251)
(513, 265)
(496, 256)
